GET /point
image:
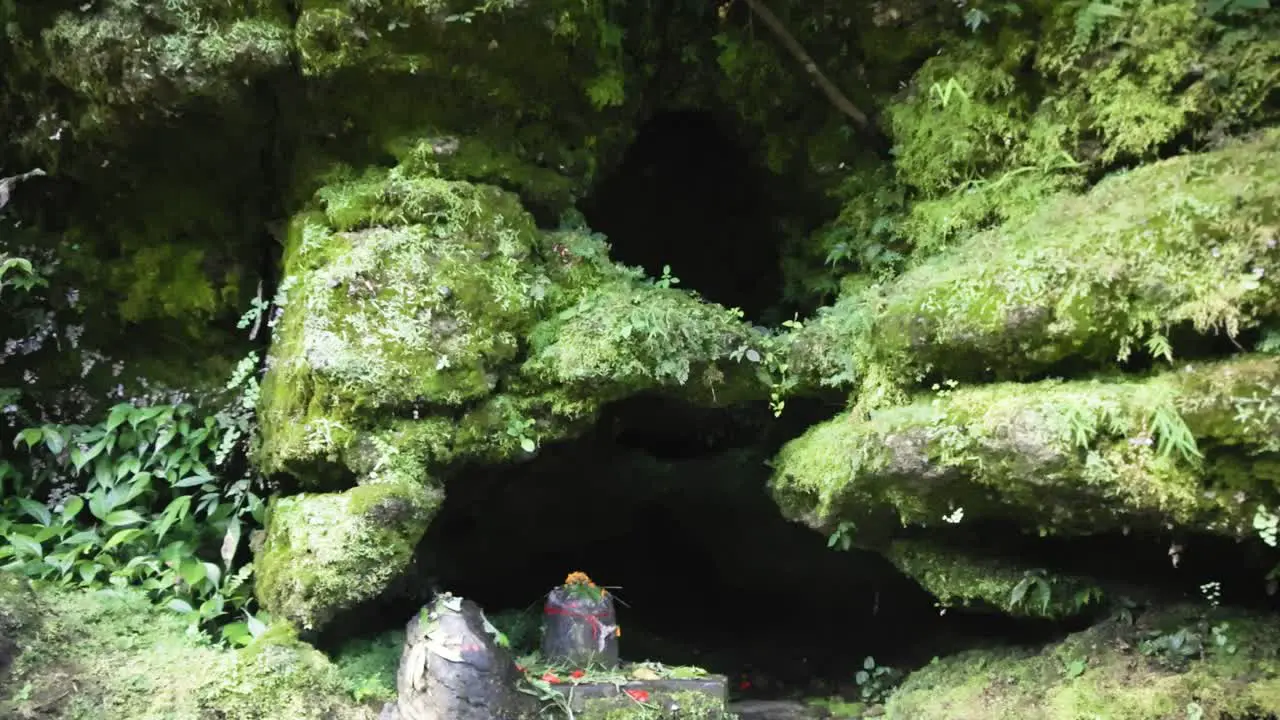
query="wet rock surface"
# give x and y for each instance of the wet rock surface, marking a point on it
(452, 668)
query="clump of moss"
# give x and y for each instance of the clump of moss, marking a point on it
(1057, 456)
(112, 654)
(633, 337)
(368, 666)
(122, 60)
(961, 579)
(1101, 673)
(328, 552)
(1095, 278)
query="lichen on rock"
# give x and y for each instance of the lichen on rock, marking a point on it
(1069, 457)
(324, 553)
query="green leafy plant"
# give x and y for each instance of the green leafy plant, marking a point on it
(842, 537)
(522, 430)
(1033, 588)
(1075, 667)
(874, 681)
(133, 500)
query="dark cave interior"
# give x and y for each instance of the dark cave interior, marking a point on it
(689, 195)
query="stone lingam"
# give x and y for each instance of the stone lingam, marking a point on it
(455, 666)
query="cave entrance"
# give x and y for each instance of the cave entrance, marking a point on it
(667, 505)
(688, 194)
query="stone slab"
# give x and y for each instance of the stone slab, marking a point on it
(703, 697)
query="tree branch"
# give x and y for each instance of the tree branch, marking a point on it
(829, 88)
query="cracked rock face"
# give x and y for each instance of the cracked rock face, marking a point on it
(452, 668)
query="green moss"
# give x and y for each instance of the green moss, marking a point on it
(411, 296)
(413, 291)
(328, 552)
(368, 666)
(960, 579)
(126, 658)
(279, 677)
(1099, 673)
(632, 337)
(121, 60)
(1069, 457)
(1092, 278)
(1139, 79)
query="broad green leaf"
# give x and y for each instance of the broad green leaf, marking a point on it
(36, 510)
(103, 475)
(99, 505)
(164, 438)
(119, 414)
(84, 539)
(122, 537)
(237, 633)
(88, 571)
(123, 517)
(25, 545)
(212, 607)
(176, 510)
(190, 481)
(53, 439)
(192, 571)
(30, 436)
(72, 508)
(527, 445)
(128, 465)
(180, 605)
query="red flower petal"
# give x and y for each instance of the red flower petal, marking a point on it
(639, 695)
(519, 667)
(576, 674)
(744, 685)
(550, 677)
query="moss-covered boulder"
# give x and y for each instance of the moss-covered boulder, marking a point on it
(430, 319)
(960, 578)
(1171, 663)
(1190, 242)
(1194, 447)
(324, 553)
(126, 658)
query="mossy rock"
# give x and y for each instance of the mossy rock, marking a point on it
(428, 322)
(1189, 242)
(126, 658)
(959, 578)
(324, 553)
(1115, 670)
(1194, 447)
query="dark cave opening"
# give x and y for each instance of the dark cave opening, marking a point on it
(688, 195)
(667, 504)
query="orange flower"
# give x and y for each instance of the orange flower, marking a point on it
(617, 632)
(578, 577)
(576, 674)
(551, 678)
(638, 695)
